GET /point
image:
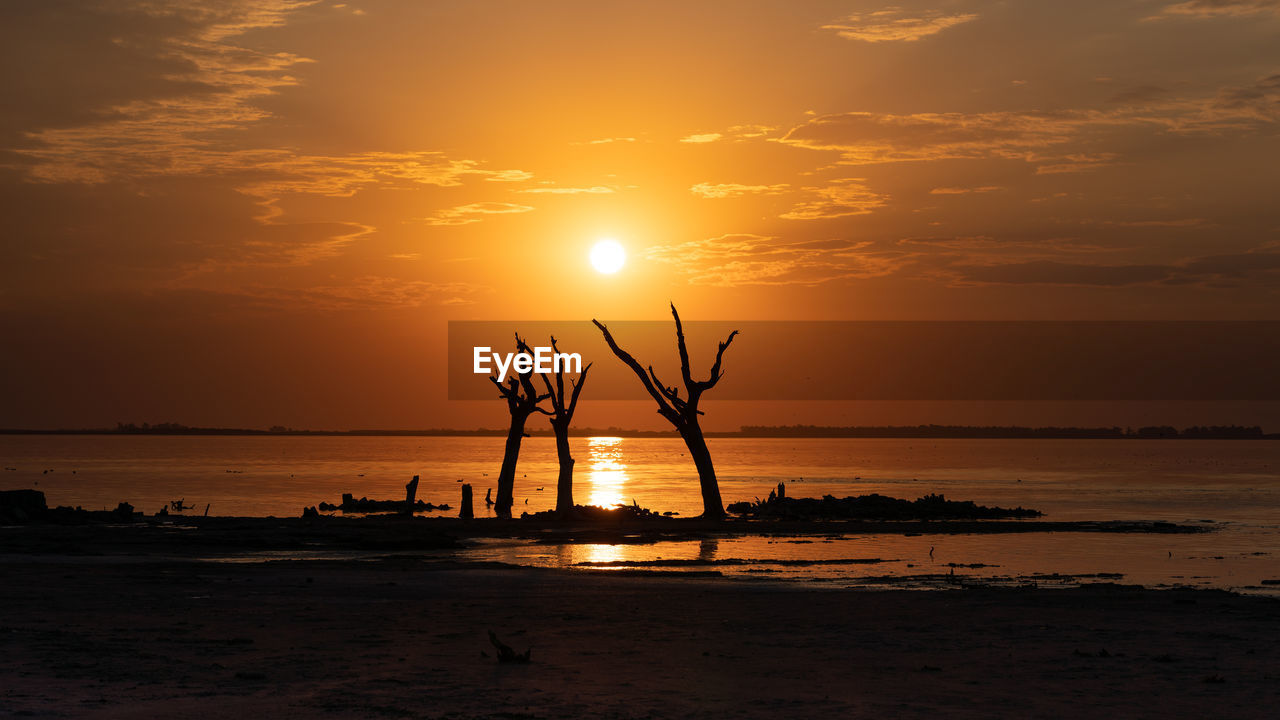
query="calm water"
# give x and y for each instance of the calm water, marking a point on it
(1233, 485)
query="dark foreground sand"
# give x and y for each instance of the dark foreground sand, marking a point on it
(149, 638)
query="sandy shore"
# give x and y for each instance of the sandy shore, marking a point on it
(131, 636)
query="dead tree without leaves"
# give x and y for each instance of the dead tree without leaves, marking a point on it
(683, 413)
(522, 401)
(561, 416)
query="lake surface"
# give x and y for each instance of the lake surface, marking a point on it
(1231, 486)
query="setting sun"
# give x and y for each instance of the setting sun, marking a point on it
(608, 256)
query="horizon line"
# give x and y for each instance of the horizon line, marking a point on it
(923, 430)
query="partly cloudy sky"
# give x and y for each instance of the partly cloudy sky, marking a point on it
(308, 191)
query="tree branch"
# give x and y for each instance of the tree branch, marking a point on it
(559, 373)
(526, 378)
(555, 400)
(671, 392)
(509, 394)
(716, 374)
(685, 373)
(577, 390)
(663, 407)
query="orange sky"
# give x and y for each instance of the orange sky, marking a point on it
(267, 213)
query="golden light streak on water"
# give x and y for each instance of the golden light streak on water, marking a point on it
(607, 473)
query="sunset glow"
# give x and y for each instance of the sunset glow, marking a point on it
(608, 257)
(322, 187)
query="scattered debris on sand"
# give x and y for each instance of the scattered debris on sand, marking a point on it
(350, 504)
(506, 654)
(872, 507)
(598, 514)
(29, 506)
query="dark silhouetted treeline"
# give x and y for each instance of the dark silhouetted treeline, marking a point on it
(1011, 432)
(998, 432)
(170, 428)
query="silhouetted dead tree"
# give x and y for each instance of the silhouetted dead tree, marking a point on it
(683, 412)
(561, 416)
(522, 400)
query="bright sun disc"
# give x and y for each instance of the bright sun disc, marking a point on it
(608, 257)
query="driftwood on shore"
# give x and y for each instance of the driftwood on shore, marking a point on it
(350, 504)
(873, 507)
(505, 653)
(29, 506)
(595, 513)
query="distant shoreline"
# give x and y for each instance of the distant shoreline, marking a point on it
(935, 432)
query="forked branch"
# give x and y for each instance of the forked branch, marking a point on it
(521, 396)
(678, 410)
(664, 407)
(562, 408)
(716, 372)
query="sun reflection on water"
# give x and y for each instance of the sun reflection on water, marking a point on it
(607, 473)
(601, 553)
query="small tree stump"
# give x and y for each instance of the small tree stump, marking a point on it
(466, 512)
(410, 494)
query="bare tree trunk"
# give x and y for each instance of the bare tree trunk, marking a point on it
(712, 506)
(507, 477)
(564, 485)
(563, 405)
(522, 401)
(466, 513)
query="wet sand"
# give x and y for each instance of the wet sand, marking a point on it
(188, 536)
(132, 636)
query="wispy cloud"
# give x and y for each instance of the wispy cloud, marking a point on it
(747, 259)
(192, 132)
(474, 213)
(736, 133)
(1218, 8)
(701, 138)
(744, 132)
(369, 291)
(1056, 141)
(964, 190)
(226, 83)
(728, 190)
(593, 190)
(1071, 162)
(896, 25)
(840, 198)
(1259, 100)
(262, 172)
(863, 137)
